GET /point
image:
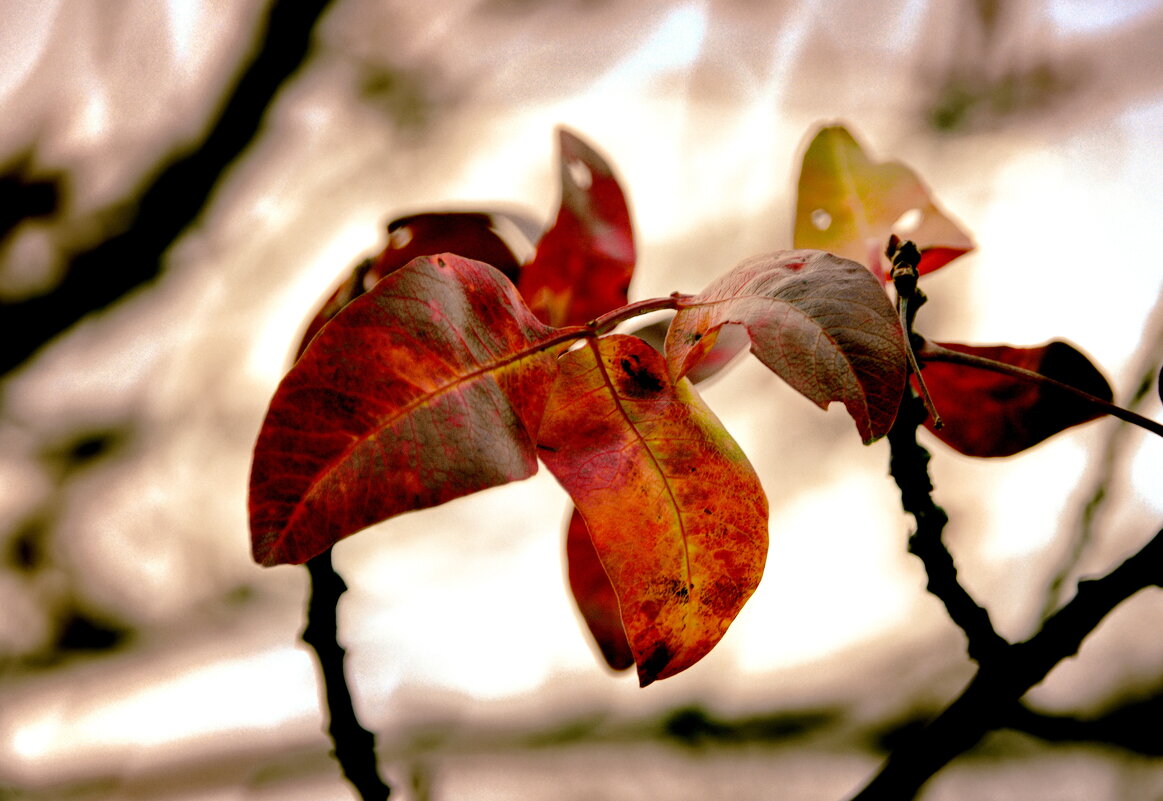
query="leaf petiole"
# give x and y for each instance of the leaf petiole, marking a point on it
(610, 320)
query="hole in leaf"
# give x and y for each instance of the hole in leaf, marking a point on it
(821, 219)
(909, 221)
(400, 238)
(579, 173)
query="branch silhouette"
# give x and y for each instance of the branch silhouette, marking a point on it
(177, 195)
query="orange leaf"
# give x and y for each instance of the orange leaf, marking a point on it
(583, 264)
(849, 205)
(675, 511)
(427, 388)
(594, 595)
(820, 322)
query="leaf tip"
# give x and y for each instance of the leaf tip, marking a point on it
(654, 665)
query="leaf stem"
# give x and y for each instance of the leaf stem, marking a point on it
(610, 320)
(932, 352)
(355, 746)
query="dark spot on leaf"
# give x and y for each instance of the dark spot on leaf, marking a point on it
(654, 664)
(641, 382)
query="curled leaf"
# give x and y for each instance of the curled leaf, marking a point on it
(594, 595)
(675, 511)
(989, 414)
(473, 235)
(584, 262)
(427, 388)
(849, 205)
(820, 322)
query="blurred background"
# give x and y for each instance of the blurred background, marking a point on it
(181, 182)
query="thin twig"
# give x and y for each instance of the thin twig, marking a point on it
(906, 258)
(355, 746)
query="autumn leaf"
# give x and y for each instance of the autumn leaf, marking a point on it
(849, 205)
(675, 512)
(594, 595)
(584, 262)
(989, 414)
(427, 388)
(820, 322)
(473, 235)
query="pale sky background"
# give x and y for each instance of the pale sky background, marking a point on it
(704, 109)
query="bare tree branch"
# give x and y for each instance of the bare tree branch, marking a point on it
(175, 198)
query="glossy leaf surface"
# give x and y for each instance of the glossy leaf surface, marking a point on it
(584, 262)
(473, 235)
(594, 595)
(675, 512)
(822, 323)
(427, 388)
(988, 414)
(849, 205)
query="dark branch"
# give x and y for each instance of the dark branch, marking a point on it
(1134, 726)
(355, 746)
(909, 465)
(992, 697)
(132, 257)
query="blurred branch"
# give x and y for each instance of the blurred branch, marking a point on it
(1134, 726)
(132, 257)
(355, 746)
(991, 699)
(1145, 368)
(23, 196)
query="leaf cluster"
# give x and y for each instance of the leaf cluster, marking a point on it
(447, 365)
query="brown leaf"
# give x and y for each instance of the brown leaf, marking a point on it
(820, 322)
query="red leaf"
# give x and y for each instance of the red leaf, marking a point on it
(473, 235)
(583, 264)
(594, 595)
(675, 512)
(425, 389)
(822, 323)
(849, 205)
(989, 414)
